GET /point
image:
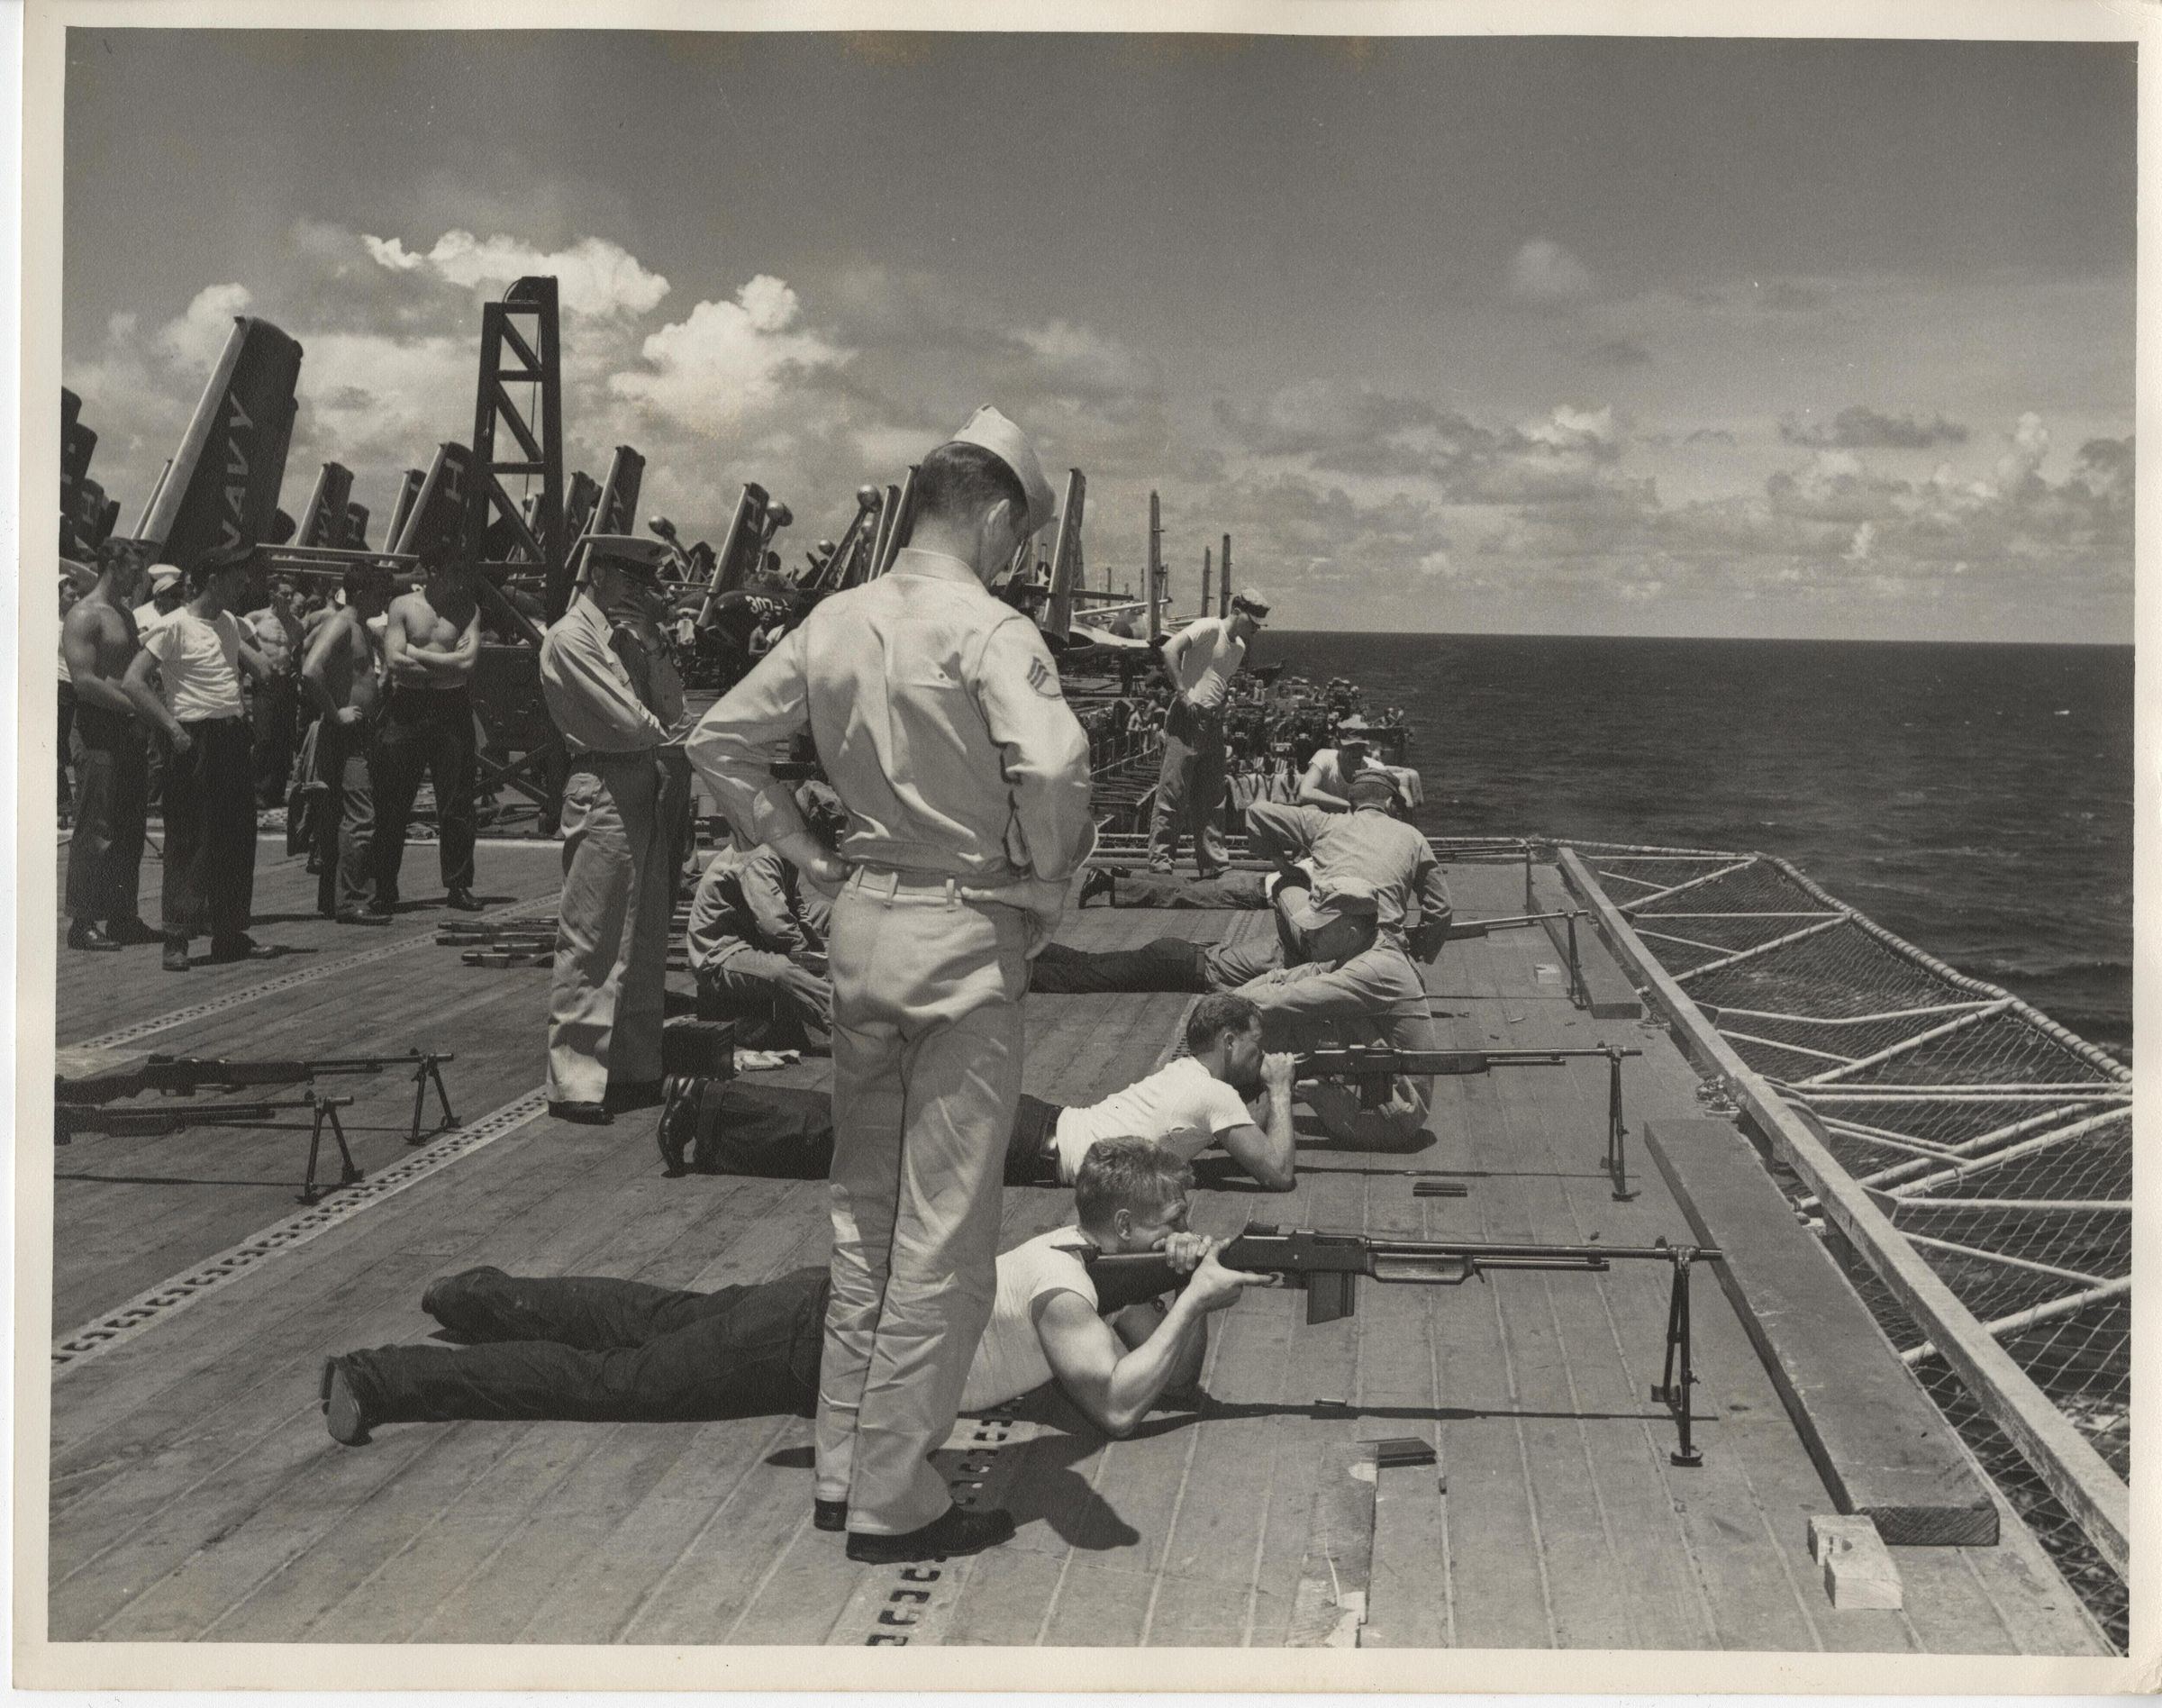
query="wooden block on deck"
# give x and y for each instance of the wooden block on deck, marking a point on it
(1858, 1567)
(1883, 1450)
(1612, 996)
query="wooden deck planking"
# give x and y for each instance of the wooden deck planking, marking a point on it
(611, 1233)
(203, 1505)
(102, 993)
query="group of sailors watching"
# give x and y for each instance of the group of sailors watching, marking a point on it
(193, 686)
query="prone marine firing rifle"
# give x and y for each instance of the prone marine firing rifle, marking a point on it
(1328, 1265)
(1371, 1066)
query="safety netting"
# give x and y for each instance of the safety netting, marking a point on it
(1999, 1143)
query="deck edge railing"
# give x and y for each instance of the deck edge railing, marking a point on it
(2097, 1498)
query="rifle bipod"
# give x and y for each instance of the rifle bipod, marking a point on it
(1617, 1129)
(1679, 1376)
(428, 1069)
(350, 1174)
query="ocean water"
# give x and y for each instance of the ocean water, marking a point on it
(1978, 800)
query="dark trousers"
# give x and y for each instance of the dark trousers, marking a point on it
(67, 723)
(209, 832)
(276, 714)
(111, 781)
(782, 1133)
(1189, 790)
(592, 1350)
(1169, 963)
(426, 731)
(1241, 891)
(345, 758)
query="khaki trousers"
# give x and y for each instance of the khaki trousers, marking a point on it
(926, 1064)
(608, 997)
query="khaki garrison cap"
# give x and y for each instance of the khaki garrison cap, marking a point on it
(994, 433)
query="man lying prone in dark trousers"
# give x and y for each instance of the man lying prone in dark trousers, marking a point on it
(1195, 1101)
(590, 1348)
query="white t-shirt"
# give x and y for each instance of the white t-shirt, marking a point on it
(1182, 1094)
(148, 617)
(1009, 1359)
(199, 663)
(1332, 777)
(1207, 656)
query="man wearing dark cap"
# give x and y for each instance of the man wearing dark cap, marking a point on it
(430, 644)
(197, 655)
(1199, 662)
(618, 705)
(940, 717)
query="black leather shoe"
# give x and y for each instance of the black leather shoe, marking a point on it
(678, 1125)
(132, 931)
(361, 916)
(830, 1515)
(176, 955)
(342, 1413)
(243, 948)
(1102, 880)
(956, 1531)
(85, 934)
(633, 1094)
(585, 1114)
(464, 900)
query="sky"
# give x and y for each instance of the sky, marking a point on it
(1821, 338)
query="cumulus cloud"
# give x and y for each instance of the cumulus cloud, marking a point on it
(1859, 428)
(1545, 273)
(1081, 360)
(593, 276)
(198, 336)
(726, 359)
(371, 398)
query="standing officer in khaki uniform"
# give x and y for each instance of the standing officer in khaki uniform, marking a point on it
(619, 704)
(939, 716)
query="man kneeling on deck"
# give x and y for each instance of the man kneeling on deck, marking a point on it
(595, 1349)
(757, 938)
(724, 1126)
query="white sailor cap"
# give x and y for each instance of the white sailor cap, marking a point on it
(994, 434)
(162, 576)
(1252, 600)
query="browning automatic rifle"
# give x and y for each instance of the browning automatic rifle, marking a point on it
(158, 1122)
(1373, 1066)
(184, 1076)
(1328, 1265)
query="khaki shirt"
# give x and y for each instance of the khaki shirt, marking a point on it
(589, 690)
(938, 714)
(1389, 856)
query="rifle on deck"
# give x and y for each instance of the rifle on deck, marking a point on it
(1372, 1067)
(185, 1076)
(1327, 1266)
